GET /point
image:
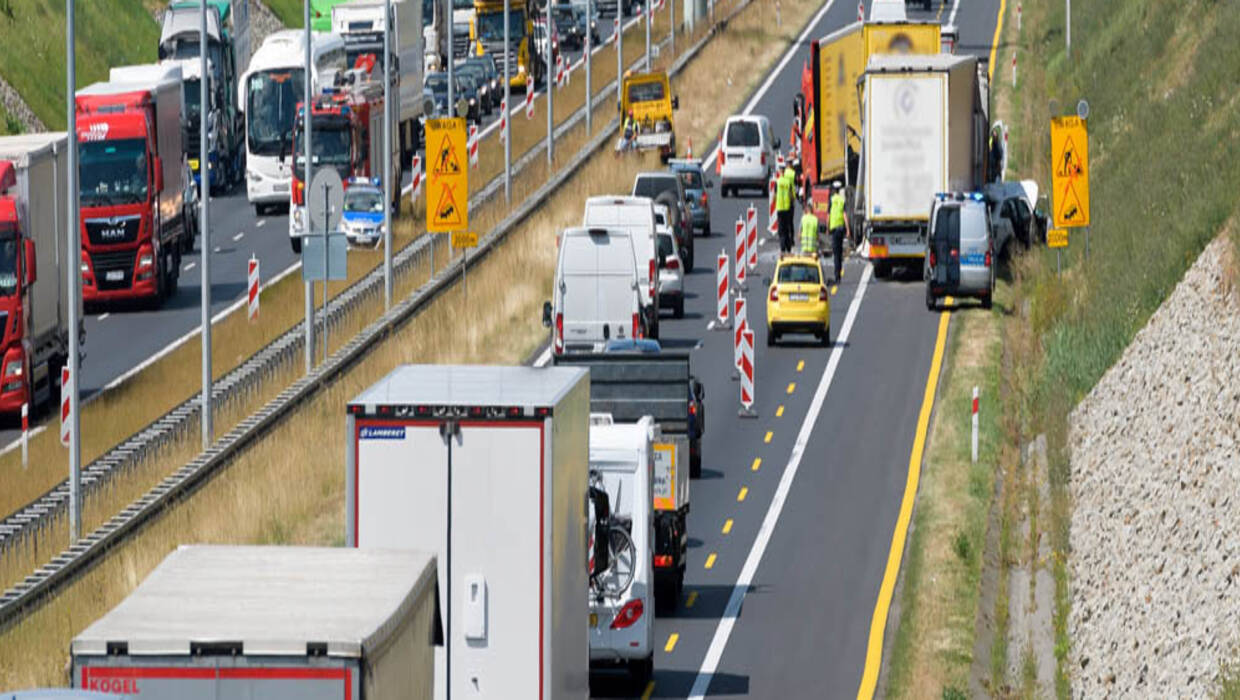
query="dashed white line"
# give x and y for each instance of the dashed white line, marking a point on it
(104, 316)
(263, 222)
(189, 266)
(217, 249)
(237, 237)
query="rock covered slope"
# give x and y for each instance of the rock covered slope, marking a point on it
(1155, 481)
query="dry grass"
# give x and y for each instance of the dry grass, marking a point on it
(252, 501)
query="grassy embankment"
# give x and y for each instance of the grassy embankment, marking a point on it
(174, 378)
(251, 501)
(1164, 139)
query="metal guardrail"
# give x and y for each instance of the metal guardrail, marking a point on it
(31, 592)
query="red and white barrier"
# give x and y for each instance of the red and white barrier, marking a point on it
(503, 119)
(529, 104)
(1018, 12)
(772, 220)
(740, 324)
(559, 71)
(751, 236)
(779, 163)
(739, 262)
(746, 368)
(66, 416)
(416, 188)
(252, 287)
(1013, 68)
(472, 145)
(25, 436)
(689, 150)
(861, 11)
(974, 425)
(615, 32)
(721, 290)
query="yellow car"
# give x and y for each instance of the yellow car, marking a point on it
(798, 301)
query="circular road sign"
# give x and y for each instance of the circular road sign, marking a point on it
(1082, 109)
(325, 200)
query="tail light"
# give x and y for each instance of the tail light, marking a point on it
(692, 412)
(654, 276)
(629, 614)
(559, 333)
(719, 161)
(662, 561)
(774, 294)
(705, 198)
(933, 259)
(822, 294)
(987, 258)
(673, 264)
(637, 325)
(764, 158)
(955, 253)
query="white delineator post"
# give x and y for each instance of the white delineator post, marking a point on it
(253, 288)
(66, 408)
(1018, 13)
(416, 188)
(25, 436)
(772, 221)
(472, 145)
(738, 265)
(974, 425)
(503, 119)
(721, 290)
(751, 235)
(747, 394)
(529, 104)
(739, 326)
(1013, 68)
(861, 12)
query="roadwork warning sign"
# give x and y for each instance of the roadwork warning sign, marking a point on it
(447, 182)
(1070, 171)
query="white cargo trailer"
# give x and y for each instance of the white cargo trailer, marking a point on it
(487, 466)
(269, 622)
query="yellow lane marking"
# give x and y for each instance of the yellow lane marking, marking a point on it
(671, 642)
(874, 649)
(757, 464)
(768, 437)
(834, 288)
(691, 599)
(792, 386)
(710, 561)
(649, 691)
(936, 17)
(779, 412)
(800, 365)
(743, 492)
(994, 42)
(727, 526)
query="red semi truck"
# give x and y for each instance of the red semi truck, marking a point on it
(34, 327)
(132, 170)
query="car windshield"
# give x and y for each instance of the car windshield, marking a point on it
(652, 187)
(271, 107)
(665, 245)
(112, 172)
(491, 25)
(482, 65)
(798, 274)
(743, 133)
(332, 144)
(960, 223)
(8, 264)
(438, 83)
(472, 71)
(646, 92)
(691, 179)
(367, 201)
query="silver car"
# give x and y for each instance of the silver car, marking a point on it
(960, 255)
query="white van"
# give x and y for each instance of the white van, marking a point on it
(622, 581)
(747, 157)
(596, 294)
(635, 215)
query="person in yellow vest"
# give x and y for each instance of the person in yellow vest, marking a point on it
(809, 230)
(783, 207)
(838, 224)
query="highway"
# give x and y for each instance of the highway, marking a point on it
(120, 341)
(792, 522)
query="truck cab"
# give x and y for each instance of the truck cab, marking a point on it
(486, 35)
(648, 97)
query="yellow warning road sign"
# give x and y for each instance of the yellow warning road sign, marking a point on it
(462, 239)
(447, 181)
(1070, 171)
(1057, 238)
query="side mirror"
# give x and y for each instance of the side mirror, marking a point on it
(546, 317)
(675, 101)
(777, 144)
(31, 262)
(699, 391)
(159, 173)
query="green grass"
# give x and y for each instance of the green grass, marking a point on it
(8, 123)
(290, 12)
(32, 34)
(1164, 140)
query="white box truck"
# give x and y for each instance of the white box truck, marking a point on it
(486, 466)
(304, 623)
(924, 127)
(361, 24)
(33, 202)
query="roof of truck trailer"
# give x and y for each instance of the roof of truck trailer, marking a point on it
(182, 19)
(274, 600)
(17, 146)
(471, 385)
(908, 63)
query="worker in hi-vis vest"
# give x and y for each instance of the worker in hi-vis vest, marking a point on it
(838, 223)
(783, 207)
(809, 230)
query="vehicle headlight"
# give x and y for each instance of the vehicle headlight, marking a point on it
(14, 368)
(253, 175)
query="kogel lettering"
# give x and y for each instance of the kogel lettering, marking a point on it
(115, 686)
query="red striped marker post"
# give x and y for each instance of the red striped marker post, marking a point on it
(772, 220)
(739, 263)
(751, 235)
(747, 394)
(66, 415)
(472, 145)
(861, 11)
(25, 436)
(721, 287)
(739, 326)
(529, 103)
(503, 119)
(253, 288)
(975, 425)
(416, 188)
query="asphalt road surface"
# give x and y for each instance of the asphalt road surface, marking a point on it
(791, 523)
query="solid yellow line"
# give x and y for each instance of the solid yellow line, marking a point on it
(691, 599)
(743, 492)
(800, 365)
(727, 526)
(649, 690)
(994, 42)
(710, 561)
(768, 437)
(874, 650)
(671, 642)
(792, 386)
(757, 464)
(779, 412)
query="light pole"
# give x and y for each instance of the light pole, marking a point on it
(306, 172)
(507, 111)
(547, 81)
(589, 87)
(204, 224)
(387, 155)
(73, 268)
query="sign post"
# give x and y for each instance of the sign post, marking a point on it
(324, 208)
(1057, 238)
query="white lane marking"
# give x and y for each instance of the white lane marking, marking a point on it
(728, 620)
(191, 265)
(263, 222)
(544, 358)
(520, 107)
(104, 316)
(217, 249)
(779, 69)
(951, 19)
(241, 235)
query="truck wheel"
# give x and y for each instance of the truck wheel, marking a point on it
(825, 337)
(654, 330)
(679, 308)
(173, 270)
(641, 671)
(665, 597)
(689, 257)
(296, 242)
(259, 209)
(987, 301)
(931, 302)
(771, 337)
(695, 471)
(882, 269)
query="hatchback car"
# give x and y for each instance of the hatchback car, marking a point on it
(798, 300)
(666, 188)
(494, 81)
(362, 219)
(671, 275)
(748, 154)
(696, 192)
(959, 250)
